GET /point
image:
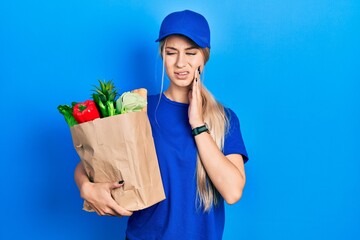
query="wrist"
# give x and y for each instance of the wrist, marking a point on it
(200, 129)
(197, 124)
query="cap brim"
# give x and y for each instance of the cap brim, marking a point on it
(195, 40)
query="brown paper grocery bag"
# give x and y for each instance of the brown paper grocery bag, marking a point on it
(121, 147)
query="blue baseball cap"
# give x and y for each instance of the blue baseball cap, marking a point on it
(188, 23)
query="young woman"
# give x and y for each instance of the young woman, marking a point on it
(198, 143)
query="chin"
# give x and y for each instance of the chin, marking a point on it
(181, 82)
(184, 84)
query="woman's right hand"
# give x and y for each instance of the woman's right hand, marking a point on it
(98, 196)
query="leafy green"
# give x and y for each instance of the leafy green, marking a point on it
(130, 102)
(67, 112)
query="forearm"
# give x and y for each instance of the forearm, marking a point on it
(80, 175)
(226, 173)
(98, 195)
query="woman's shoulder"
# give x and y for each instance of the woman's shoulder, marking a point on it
(230, 114)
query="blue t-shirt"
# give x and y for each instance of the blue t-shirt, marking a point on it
(178, 216)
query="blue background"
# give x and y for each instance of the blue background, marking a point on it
(289, 69)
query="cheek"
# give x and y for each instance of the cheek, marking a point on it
(169, 62)
(197, 62)
(168, 68)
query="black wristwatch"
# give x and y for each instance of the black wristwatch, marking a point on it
(201, 129)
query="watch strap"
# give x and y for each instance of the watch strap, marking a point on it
(198, 130)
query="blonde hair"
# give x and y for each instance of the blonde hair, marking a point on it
(215, 117)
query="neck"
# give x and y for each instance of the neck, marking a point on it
(177, 95)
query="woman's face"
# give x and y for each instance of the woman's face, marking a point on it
(182, 58)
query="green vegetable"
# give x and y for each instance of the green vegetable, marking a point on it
(130, 102)
(100, 105)
(104, 97)
(67, 112)
(110, 108)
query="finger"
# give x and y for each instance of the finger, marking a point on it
(109, 212)
(198, 88)
(125, 213)
(199, 75)
(120, 211)
(194, 86)
(198, 85)
(98, 211)
(104, 211)
(196, 92)
(198, 72)
(118, 184)
(193, 95)
(195, 75)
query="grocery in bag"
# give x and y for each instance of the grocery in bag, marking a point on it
(118, 147)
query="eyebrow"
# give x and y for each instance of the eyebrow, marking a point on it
(189, 48)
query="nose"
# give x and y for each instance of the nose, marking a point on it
(181, 60)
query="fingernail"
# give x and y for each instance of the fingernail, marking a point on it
(199, 70)
(121, 181)
(196, 79)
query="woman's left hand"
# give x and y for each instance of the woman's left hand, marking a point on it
(195, 99)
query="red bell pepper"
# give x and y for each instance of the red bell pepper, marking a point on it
(85, 111)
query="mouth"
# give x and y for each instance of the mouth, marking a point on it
(182, 75)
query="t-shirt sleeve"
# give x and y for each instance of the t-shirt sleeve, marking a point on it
(234, 143)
